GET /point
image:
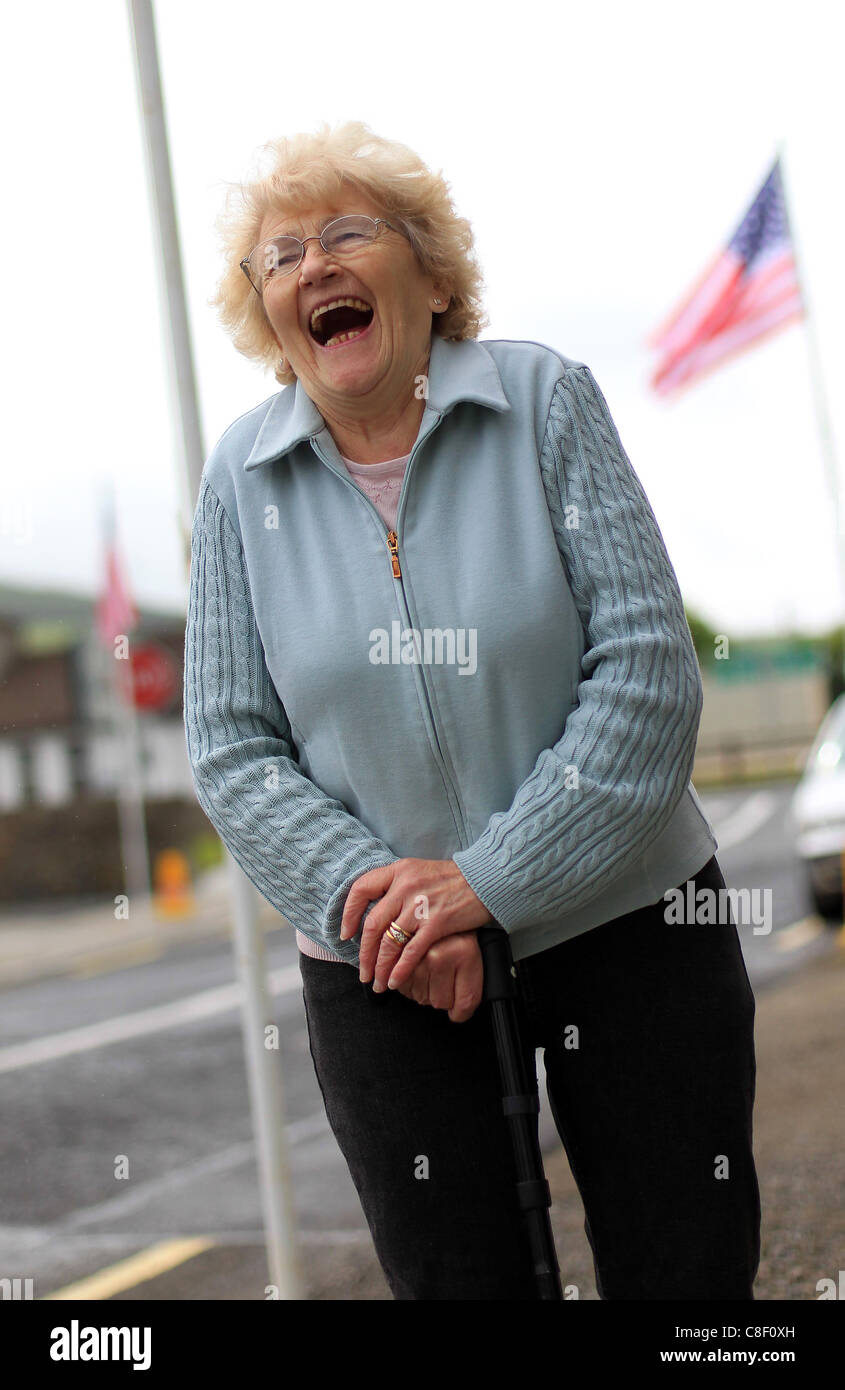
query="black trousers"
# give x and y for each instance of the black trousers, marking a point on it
(646, 1028)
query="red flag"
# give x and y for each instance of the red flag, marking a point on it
(750, 290)
(116, 613)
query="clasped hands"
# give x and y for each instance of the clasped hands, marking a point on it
(430, 900)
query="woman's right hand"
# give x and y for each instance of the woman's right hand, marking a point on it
(449, 976)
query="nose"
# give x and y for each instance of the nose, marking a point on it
(316, 263)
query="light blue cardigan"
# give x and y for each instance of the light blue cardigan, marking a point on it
(557, 773)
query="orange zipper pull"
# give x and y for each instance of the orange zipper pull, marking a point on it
(393, 545)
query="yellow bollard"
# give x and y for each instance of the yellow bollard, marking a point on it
(172, 892)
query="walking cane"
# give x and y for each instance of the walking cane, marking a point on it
(521, 1104)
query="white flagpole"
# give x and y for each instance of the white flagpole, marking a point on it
(130, 787)
(130, 801)
(263, 1068)
(820, 402)
(130, 791)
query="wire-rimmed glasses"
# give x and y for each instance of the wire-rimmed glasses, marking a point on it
(281, 255)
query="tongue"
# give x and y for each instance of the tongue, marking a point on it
(344, 320)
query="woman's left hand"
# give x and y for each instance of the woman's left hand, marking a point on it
(427, 898)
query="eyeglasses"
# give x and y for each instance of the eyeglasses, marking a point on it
(282, 254)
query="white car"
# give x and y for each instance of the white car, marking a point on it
(818, 814)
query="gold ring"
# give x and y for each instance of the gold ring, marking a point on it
(395, 932)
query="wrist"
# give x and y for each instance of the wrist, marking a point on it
(480, 912)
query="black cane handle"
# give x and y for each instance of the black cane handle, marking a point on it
(499, 980)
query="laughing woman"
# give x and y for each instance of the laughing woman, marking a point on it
(411, 494)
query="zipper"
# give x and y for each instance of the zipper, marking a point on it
(447, 771)
(393, 546)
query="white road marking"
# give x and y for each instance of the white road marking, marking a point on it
(716, 806)
(193, 1007)
(142, 1194)
(75, 1241)
(299, 1132)
(746, 820)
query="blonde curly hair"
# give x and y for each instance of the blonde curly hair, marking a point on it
(310, 168)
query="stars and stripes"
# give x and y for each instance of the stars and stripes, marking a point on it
(748, 291)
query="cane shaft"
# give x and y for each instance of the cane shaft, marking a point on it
(520, 1104)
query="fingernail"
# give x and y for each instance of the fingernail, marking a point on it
(391, 984)
(377, 988)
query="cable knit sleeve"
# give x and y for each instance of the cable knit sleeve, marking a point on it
(301, 848)
(601, 795)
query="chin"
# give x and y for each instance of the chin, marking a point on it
(361, 373)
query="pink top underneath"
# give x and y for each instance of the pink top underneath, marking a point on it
(382, 483)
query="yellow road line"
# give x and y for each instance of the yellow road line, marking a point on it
(137, 1269)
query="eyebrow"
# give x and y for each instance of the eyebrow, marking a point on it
(322, 227)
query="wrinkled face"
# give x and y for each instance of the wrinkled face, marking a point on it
(349, 324)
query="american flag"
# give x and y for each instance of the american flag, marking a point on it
(116, 613)
(750, 290)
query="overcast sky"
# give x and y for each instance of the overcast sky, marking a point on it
(603, 152)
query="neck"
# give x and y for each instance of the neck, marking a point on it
(366, 434)
(368, 441)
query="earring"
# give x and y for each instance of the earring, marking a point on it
(282, 364)
(437, 301)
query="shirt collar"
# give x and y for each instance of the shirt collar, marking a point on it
(462, 371)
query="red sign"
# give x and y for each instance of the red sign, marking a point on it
(155, 676)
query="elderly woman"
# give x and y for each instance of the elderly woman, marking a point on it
(438, 675)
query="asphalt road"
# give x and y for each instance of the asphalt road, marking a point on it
(156, 1088)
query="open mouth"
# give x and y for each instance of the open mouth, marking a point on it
(340, 321)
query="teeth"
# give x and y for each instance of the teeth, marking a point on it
(338, 304)
(342, 337)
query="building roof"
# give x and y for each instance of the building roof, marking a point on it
(23, 604)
